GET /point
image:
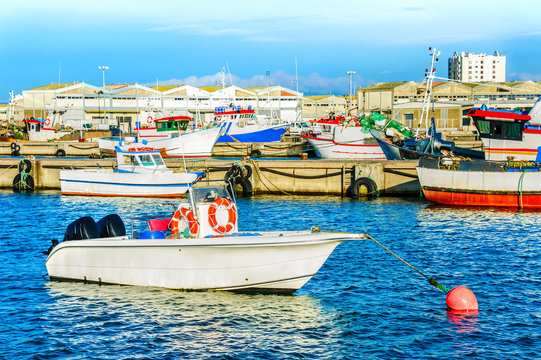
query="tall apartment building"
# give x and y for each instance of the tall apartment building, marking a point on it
(469, 67)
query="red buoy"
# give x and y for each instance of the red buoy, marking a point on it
(461, 298)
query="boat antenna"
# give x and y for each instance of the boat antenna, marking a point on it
(299, 99)
(429, 77)
(229, 72)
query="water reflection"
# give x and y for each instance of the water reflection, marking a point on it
(463, 322)
(189, 323)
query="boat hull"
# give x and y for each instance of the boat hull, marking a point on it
(345, 142)
(253, 133)
(491, 187)
(270, 262)
(196, 143)
(109, 183)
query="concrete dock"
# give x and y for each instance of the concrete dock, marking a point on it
(253, 176)
(290, 147)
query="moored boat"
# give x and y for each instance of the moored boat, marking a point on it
(509, 132)
(42, 130)
(198, 248)
(411, 148)
(173, 136)
(339, 138)
(465, 182)
(243, 125)
(139, 172)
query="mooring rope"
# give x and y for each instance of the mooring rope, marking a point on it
(520, 184)
(261, 176)
(431, 280)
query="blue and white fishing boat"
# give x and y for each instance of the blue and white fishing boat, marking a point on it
(140, 172)
(243, 125)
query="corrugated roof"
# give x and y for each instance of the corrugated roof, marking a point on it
(165, 87)
(54, 86)
(210, 88)
(385, 86)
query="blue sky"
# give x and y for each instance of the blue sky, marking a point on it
(176, 42)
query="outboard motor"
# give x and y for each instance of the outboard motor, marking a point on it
(82, 228)
(111, 226)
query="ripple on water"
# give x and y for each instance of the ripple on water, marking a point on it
(362, 303)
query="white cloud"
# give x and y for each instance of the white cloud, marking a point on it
(310, 84)
(524, 76)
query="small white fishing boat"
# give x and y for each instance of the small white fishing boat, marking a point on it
(140, 172)
(339, 141)
(42, 130)
(199, 248)
(173, 136)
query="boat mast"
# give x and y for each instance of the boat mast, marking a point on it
(429, 77)
(299, 99)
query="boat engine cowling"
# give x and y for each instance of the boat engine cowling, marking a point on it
(111, 226)
(82, 228)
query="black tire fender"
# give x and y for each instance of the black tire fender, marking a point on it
(18, 186)
(246, 187)
(25, 165)
(255, 153)
(60, 152)
(368, 184)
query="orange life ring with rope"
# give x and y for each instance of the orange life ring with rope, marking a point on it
(189, 217)
(225, 204)
(149, 119)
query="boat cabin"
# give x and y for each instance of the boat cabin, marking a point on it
(173, 123)
(140, 160)
(208, 211)
(500, 124)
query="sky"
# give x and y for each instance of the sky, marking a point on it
(309, 44)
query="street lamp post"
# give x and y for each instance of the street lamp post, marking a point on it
(350, 73)
(103, 68)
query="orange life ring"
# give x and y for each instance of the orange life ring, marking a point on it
(189, 217)
(47, 121)
(231, 211)
(219, 117)
(149, 119)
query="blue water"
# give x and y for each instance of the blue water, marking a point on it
(363, 303)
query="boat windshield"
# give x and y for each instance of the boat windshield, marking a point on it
(209, 194)
(158, 159)
(146, 160)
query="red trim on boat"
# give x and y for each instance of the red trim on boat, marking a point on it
(499, 200)
(497, 114)
(531, 131)
(236, 112)
(114, 195)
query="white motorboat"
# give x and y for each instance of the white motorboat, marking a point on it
(140, 172)
(199, 248)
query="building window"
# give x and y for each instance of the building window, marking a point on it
(409, 120)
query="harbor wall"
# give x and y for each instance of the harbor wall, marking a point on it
(321, 177)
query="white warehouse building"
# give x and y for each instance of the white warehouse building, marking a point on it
(78, 105)
(469, 67)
